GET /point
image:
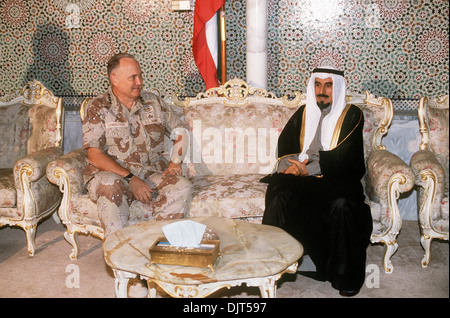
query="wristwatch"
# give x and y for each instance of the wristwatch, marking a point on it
(128, 177)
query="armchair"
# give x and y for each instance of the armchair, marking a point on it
(31, 129)
(430, 165)
(387, 176)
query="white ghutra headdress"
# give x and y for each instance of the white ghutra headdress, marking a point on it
(313, 111)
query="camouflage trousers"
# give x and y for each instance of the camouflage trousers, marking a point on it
(117, 207)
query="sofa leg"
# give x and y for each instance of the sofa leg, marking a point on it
(391, 248)
(30, 232)
(72, 238)
(425, 241)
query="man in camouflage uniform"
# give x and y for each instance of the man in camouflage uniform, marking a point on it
(123, 136)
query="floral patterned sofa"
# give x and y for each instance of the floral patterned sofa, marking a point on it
(233, 131)
(31, 136)
(430, 165)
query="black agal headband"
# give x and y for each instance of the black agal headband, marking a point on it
(327, 70)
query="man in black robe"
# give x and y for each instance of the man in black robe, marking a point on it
(316, 194)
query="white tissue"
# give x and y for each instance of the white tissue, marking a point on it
(184, 233)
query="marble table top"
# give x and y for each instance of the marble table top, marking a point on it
(247, 250)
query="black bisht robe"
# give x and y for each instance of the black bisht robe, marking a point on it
(326, 213)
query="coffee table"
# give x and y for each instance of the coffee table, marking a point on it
(254, 254)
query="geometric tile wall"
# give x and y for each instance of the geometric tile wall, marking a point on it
(395, 48)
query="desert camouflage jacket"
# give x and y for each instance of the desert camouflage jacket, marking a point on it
(133, 138)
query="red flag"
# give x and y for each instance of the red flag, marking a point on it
(205, 10)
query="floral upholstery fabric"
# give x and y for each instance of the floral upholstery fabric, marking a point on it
(71, 166)
(230, 196)
(25, 130)
(424, 160)
(43, 133)
(234, 139)
(442, 224)
(439, 135)
(373, 116)
(438, 123)
(14, 130)
(40, 187)
(7, 189)
(231, 149)
(381, 165)
(435, 159)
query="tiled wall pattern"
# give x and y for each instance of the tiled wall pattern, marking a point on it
(394, 48)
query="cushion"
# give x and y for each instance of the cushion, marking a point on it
(229, 196)
(86, 212)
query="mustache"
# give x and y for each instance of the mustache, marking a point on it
(323, 95)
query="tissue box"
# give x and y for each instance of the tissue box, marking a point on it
(203, 256)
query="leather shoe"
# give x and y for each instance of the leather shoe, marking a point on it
(348, 293)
